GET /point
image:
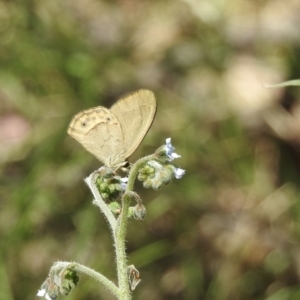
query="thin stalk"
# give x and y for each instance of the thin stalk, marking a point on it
(135, 169)
(90, 272)
(121, 229)
(120, 249)
(91, 182)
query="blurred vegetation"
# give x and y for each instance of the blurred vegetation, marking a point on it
(230, 228)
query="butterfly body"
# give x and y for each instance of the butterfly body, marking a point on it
(112, 135)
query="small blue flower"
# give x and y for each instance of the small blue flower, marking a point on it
(43, 293)
(178, 173)
(123, 181)
(170, 150)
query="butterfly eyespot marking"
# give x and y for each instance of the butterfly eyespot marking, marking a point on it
(85, 123)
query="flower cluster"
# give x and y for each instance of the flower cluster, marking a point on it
(59, 284)
(110, 185)
(160, 171)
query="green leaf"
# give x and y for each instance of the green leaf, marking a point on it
(294, 82)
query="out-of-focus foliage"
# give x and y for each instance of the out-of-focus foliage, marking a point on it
(230, 228)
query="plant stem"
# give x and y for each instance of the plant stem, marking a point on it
(135, 169)
(91, 182)
(120, 232)
(121, 260)
(90, 272)
(118, 228)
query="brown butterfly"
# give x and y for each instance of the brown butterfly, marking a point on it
(112, 135)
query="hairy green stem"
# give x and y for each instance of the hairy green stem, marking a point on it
(120, 249)
(118, 228)
(90, 272)
(91, 182)
(135, 169)
(120, 232)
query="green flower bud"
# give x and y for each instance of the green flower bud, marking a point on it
(139, 211)
(157, 184)
(109, 185)
(130, 212)
(69, 280)
(115, 207)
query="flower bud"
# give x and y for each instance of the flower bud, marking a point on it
(110, 186)
(115, 207)
(69, 280)
(156, 184)
(139, 212)
(161, 173)
(49, 290)
(166, 153)
(133, 277)
(145, 172)
(59, 284)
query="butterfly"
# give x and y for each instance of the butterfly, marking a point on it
(112, 135)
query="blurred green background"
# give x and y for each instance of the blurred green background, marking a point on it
(230, 228)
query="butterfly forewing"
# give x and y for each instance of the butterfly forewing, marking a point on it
(135, 114)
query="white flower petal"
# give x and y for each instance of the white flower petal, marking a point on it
(170, 150)
(179, 173)
(41, 293)
(48, 297)
(175, 155)
(124, 179)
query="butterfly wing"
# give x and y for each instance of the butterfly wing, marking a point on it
(135, 114)
(99, 132)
